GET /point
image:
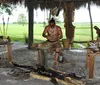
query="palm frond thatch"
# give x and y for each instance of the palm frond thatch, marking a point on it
(11, 1)
(48, 4)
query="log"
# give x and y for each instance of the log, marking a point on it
(52, 75)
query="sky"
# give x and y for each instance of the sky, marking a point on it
(81, 15)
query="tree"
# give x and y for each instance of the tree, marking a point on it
(5, 8)
(21, 19)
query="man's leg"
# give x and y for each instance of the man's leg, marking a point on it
(57, 47)
(39, 57)
(57, 52)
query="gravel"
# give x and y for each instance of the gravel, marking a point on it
(75, 63)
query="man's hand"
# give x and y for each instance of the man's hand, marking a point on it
(44, 35)
(52, 38)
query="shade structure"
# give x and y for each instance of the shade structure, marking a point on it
(47, 4)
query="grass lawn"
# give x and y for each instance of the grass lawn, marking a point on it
(18, 32)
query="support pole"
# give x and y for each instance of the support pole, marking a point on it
(68, 19)
(91, 22)
(30, 25)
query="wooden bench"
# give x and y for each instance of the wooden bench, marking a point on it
(42, 52)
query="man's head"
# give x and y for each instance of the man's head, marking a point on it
(52, 22)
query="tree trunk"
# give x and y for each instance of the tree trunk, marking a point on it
(68, 19)
(91, 23)
(30, 26)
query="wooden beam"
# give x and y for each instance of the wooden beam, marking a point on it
(57, 1)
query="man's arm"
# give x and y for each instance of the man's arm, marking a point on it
(60, 33)
(44, 32)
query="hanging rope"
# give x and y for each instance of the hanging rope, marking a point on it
(7, 27)
(44, 13)
(44, 18)
(3, 26)
(47, 11)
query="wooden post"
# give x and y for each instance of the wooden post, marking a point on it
(87, 58)
(68, 19)
(91, 66)
(9, 52)
(87, 61)
(30, 26)
(90, 62)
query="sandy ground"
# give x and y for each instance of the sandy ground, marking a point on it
(75, 63)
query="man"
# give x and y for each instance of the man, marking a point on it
(53, 34)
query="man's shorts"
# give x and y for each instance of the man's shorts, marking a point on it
(50, 46)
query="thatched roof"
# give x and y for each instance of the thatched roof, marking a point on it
(55, 3)
(51, 3)
(11, 1)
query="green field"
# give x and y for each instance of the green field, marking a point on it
(18, 32)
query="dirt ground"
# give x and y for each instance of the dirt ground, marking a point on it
(75, 63)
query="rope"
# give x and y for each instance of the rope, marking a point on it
(7, 27)
(44, 12)
(1, 30)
